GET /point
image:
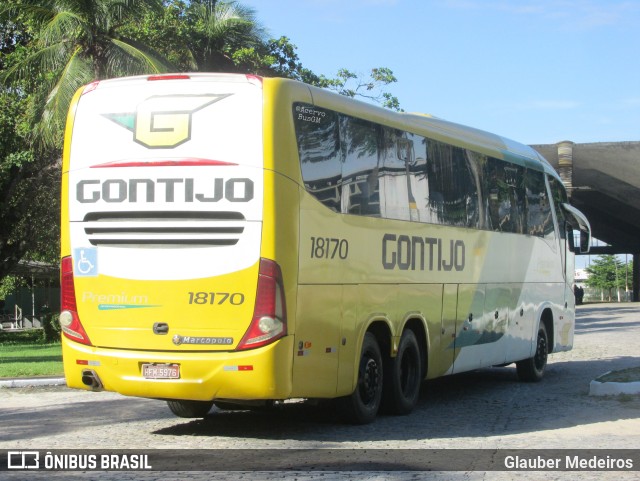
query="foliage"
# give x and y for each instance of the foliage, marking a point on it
(28, 336)
(51, 327)
(199, 35)
(607, 272)
(72, 43)
(278, 58)
(168, 31)
(274, 58)
(218, 36)
(10, 284)
(352, 85)
(28, 177)
(217, 30)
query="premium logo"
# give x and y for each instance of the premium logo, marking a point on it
(164, 121)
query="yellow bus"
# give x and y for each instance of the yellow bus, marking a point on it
(235, 240)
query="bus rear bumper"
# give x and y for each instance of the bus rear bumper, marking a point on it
(263, 373)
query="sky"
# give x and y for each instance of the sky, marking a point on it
(535, 71)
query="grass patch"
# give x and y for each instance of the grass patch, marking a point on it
(20, 360)
(631, 374)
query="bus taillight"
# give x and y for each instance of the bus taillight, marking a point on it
(269, 321)
(69, 320)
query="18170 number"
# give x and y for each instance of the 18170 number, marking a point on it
(329, 248)
(218, 298)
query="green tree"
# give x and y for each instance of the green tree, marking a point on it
(274, 58)
(73, 43)
(607, 272)
(168, 31)
(219, 36)
(279, 58)
(368, 87)
(203, 35)
(29, 185)
(217, 30)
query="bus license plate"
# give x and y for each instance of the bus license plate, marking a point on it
(161, 371)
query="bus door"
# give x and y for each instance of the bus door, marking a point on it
(574, 220)
(504, 322)
(441, 353)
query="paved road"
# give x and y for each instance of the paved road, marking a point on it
(484, 409)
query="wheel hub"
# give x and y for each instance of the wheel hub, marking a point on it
(370, 380)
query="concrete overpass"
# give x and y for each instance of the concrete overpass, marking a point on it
(603, 181)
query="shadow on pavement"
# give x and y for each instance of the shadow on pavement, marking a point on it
(481, 403)
(488, 402)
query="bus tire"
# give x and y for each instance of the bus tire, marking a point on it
(190, 409)
(403, 377)
(532, 369)
(361, 407)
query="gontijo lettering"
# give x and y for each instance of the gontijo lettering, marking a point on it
(163, 190)
(422, 253)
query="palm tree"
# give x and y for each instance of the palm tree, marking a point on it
(74, 43)
(219, 29)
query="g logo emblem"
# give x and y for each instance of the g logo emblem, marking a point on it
(164, 121)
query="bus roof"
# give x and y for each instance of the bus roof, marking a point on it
(436, 128)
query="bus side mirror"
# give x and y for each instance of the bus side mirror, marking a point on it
(570, 238)
(585, 242)
(577, 220)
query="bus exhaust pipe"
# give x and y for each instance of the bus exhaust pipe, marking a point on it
(91, 379)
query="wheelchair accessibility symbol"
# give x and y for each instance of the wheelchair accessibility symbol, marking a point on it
(85, 261)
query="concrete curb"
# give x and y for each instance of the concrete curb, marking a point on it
(599, 388)
(32, 381)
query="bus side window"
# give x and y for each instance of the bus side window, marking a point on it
(559, 196)
(453, 193)
(539, 218)
(320, 155)
(497, 193)
(477, 164)
(361, 167)
(505, 196)
(395, 191)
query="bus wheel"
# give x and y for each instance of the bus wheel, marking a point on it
(403, 376)
(361, 407)
(190, 409)
(532, 369)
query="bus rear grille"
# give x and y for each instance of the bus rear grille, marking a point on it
(164, 228)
